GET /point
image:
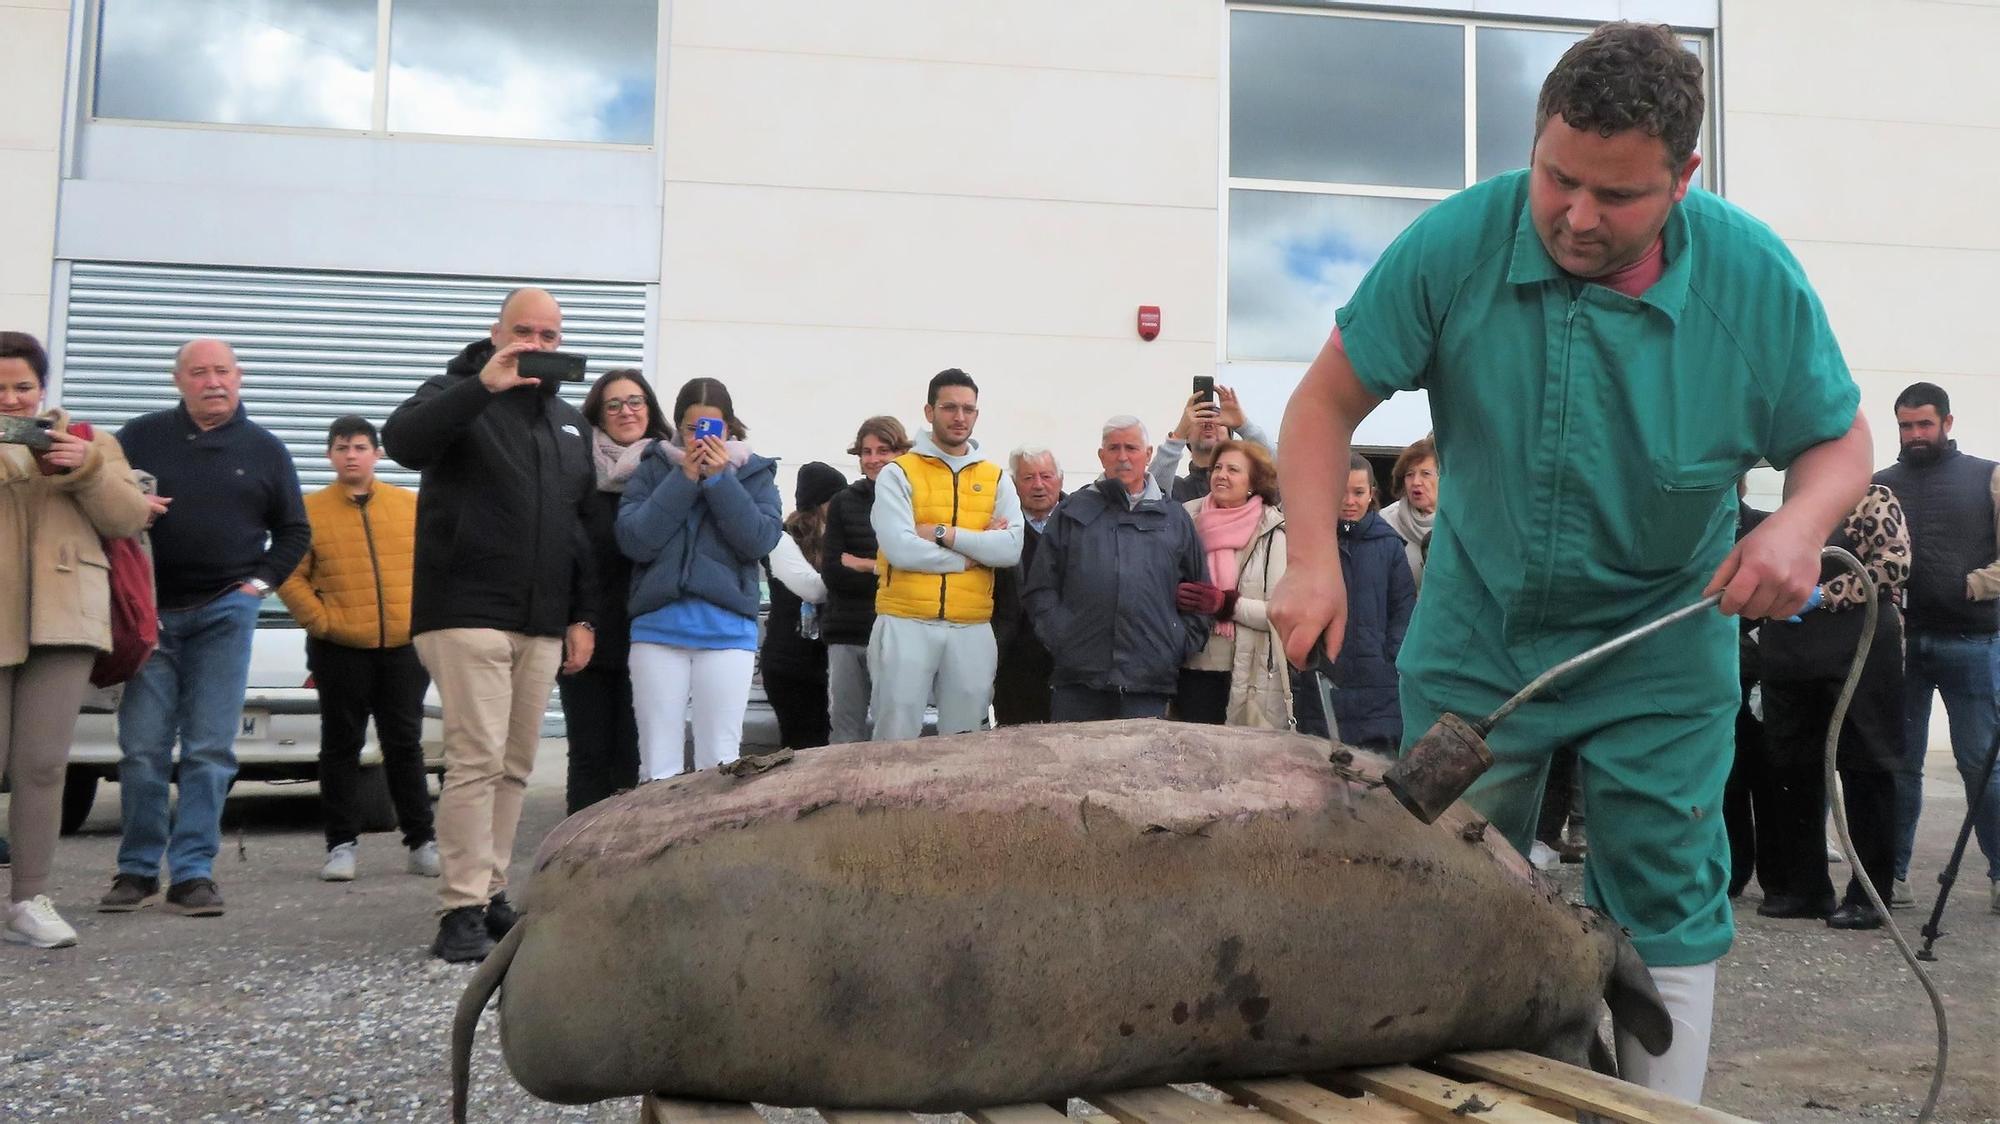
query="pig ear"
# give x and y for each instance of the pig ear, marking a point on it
(1635, 1003)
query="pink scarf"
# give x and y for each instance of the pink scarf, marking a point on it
(1224, 531)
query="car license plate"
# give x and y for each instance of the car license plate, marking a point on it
(256, 726)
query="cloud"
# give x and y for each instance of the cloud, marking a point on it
(1294, 259)
(494, 68)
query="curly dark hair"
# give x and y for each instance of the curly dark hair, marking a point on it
(1629, 76)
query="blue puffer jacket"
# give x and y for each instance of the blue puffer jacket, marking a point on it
(698, 540)
(1380, 596)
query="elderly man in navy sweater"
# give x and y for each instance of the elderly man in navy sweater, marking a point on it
(228, 526)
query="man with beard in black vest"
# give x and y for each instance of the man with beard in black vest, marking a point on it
(1952, 502)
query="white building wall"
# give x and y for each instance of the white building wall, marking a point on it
(34, 37)
(858, 196)
(1867, 133)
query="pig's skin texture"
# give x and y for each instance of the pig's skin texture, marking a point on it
(1019, 915)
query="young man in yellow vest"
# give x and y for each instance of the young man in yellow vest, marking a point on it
(351, 593)
(944, 520)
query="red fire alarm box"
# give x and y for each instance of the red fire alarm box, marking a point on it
(1149, 321)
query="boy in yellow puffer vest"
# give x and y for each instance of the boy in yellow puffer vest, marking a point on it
(351, 593)
(944, 519)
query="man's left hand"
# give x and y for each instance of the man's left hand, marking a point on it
(578, 643)
(928, 533)
(1771, 572)
(1232, 410)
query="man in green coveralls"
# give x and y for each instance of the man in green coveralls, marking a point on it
(1606, 351)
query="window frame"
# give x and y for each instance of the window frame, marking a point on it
(1470, 23)
(91, 52)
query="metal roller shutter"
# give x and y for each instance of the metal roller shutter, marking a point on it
(313, 345)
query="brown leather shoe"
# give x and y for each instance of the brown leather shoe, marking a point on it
(196, 897)
(128, 893)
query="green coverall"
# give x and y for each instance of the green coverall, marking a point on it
(1589, 444)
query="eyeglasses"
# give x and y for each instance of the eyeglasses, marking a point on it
(634, 404)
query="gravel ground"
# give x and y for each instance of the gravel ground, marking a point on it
(315, 1001)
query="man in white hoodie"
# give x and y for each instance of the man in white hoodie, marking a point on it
(945, 519)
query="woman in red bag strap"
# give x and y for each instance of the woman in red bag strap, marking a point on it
(59, 499)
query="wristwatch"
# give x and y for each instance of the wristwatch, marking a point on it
(937, 534)
(262, 587)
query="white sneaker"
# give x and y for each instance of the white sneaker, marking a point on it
(1544, 856)
(1833, 854)
(1901, 896)
(339, 864)
(424, 860)
(36, 922)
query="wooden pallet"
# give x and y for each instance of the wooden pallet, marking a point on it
(1487, 1087)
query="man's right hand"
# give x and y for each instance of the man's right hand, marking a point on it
(1309, 606)
(1198, 410)
(503, 371)
(156, 506)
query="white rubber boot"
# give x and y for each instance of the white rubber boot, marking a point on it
(1689, 996)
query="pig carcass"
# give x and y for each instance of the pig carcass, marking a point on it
(1018, 915)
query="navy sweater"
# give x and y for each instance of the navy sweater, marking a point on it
(237, 512)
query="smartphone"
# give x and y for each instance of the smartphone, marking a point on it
(708, 427)
(1204, 385)
(30, 432)
(552, 366)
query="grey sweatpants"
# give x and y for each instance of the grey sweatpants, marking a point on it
(847, 693)
(913, 661)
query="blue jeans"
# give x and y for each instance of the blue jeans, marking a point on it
(1966, 671)
(191, 690)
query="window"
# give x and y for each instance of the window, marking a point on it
(304, 63)
(1343, 128)
(478, 68)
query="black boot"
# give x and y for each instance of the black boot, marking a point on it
(462, 936)
(1855, 915)
(1796, 905)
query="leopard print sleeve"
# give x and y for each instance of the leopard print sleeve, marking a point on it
(1876, 523)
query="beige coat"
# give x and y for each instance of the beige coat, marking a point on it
(51, 530)
(1260, 682)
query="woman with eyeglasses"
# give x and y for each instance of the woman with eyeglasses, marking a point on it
(625, 420)
(699, 517)
(1414, 483)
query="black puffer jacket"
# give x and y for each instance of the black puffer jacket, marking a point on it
(1101, 593)
(500, 517)
(849, 613)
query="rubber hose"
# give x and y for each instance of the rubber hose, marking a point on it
(1839, 719)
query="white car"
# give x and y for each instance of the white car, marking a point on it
(279, 736)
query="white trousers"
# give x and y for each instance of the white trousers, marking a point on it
(673, 688)
(913, 662)
(1688, 994)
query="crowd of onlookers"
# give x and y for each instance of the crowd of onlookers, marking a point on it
(629, 549)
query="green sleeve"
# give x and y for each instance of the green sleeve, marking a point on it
(1817, 399)
(1389, 329)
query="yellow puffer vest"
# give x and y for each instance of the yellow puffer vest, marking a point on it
(964, 500)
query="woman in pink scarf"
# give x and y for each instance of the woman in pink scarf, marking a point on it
(1240, 678)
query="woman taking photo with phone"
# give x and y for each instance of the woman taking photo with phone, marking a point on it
(57, 504)
(697, 519)
(625, 421)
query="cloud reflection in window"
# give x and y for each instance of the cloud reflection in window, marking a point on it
(516, 68)
(488, 68)
(303, 63)
(1295, 258)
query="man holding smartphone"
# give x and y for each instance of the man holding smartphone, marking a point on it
(944, 518)
(503, 591)
(1211, 416)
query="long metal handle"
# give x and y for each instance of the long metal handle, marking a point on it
(1592, 655)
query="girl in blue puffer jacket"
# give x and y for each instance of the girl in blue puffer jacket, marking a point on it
(698, 517)
(1381, 594)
